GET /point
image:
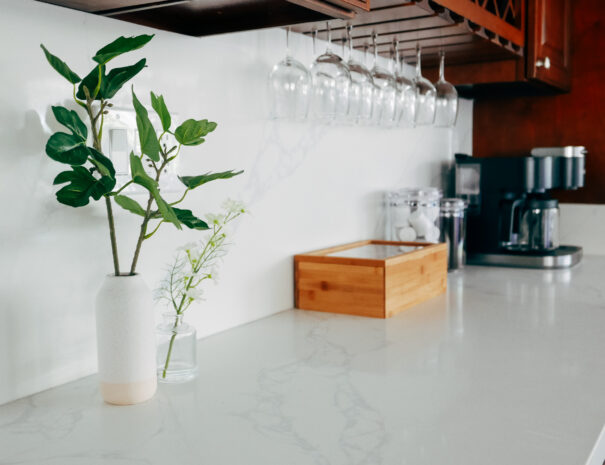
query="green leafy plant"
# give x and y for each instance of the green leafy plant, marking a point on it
(91, 175)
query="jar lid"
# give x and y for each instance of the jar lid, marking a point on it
(425, 194)
(452, 205)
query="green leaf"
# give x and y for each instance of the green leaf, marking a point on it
(67, 148)
(128, 204)
(71, 121)
(188, 219)
(111, 83)
(119, 46)
(82, 185)
(117, 77)
(61, 67)
(140, 177)
(191, 132)
(103, 186)
(102, 163)
(90, 81)
(191, 182)
(157, 102)
(150, 145)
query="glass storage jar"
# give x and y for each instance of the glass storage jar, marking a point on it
(413, 214)
(176, 349)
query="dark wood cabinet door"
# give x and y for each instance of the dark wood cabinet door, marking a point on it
(549, 42)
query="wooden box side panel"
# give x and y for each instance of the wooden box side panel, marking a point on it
(354, 290)
(415, 280)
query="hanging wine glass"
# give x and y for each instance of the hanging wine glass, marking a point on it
(425, 101)
(385, 98)
(289, 87)
(407, 92)
(361, 94)
(331, 83)
(446, 103)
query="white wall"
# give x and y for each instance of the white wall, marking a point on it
(307, 186)
(583, 225)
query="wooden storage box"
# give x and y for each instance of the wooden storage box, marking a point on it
(370, 278)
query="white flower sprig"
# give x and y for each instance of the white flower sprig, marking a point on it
(197, 262)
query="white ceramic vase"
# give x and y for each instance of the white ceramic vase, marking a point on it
(126, 340)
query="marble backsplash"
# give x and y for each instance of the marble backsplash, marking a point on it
(306, 186)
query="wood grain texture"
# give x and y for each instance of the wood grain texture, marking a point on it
(369, 287)
(412, 279)
(350, 289)
(512, 127)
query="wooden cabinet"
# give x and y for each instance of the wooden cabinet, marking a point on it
(544, 68)
(470, 31)
(207, 17)
(486, 42)
(513, 126)
(549, 42)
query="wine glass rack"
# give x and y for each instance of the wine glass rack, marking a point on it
(467, 30)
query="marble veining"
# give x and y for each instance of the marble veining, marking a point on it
(505, 368)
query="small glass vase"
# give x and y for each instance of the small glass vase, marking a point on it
(177, 350)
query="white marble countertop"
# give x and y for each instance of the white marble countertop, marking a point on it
(507, 368)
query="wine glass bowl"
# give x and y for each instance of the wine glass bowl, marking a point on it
(406, 101)
(425, 95)
(361, 92)
(385, 95)
(290, 89)
(331, 83)
(446, 101)
(290, 86)
(406, 92)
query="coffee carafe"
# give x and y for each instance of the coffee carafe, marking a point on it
(539, 228)
(529, 223)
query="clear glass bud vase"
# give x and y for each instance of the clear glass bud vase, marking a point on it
(177, 350)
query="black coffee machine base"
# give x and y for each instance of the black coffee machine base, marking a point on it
(565, 256)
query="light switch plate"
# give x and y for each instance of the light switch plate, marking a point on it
(123, 138)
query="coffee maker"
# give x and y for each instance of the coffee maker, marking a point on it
(512, 218)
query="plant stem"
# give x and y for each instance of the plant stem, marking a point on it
(147, 236)
(146, 219)
(141, 238)
(172, 338)
(181, 199)
(112, 237)
(123, 187)
(96, 142)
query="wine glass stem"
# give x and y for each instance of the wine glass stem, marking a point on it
(374, 39)
(418, 61)
(314, 41)
(442, 65)
(288, 41)
(329, 47)
(350, 40)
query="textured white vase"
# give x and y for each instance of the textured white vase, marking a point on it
(126, 340)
